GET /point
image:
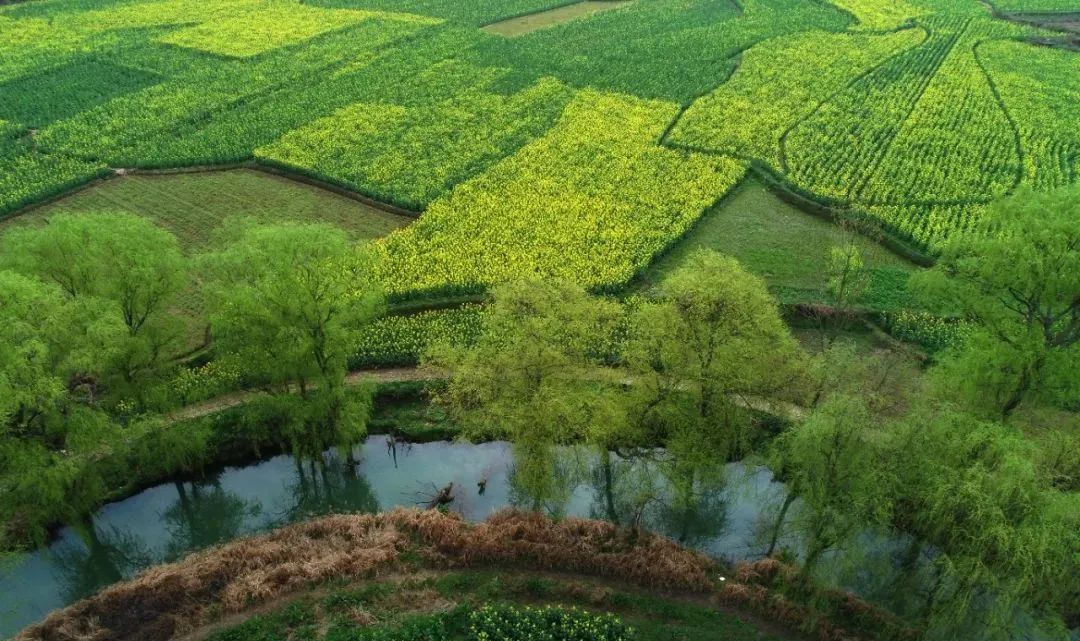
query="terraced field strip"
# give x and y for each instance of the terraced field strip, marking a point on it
(521, 25)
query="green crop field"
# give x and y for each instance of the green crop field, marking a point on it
(192, 206)
(794, 283)
(789, 247)
(540, 136)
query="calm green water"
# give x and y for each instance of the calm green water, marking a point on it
(724, 510)
(168, 521)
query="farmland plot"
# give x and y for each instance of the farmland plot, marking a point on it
(145, 128)
(193, 206)
(779, 82)
(411, 155)
(592, 202)
(835, 150)
(1040, 87)
(29, 176)
(260, 31)
(958, 144)
(61, 92)
(669, 49)
(915, 113)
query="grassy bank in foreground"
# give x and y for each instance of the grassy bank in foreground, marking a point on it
(315, 580)
(459, 605)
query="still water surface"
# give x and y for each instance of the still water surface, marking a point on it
(717, 512)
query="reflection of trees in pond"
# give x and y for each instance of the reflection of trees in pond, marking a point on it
(204, 514)
(543, 477)
(327, 485)
(695, 508)
(681, 497)
(105, 556)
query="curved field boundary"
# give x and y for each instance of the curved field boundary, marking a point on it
(325, 182)
(1017, 142)
(894, 239)
(1017, 136)
(736, 60)
(856, 189)
(897, 241)
(782, 146)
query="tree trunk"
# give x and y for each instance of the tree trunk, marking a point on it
(1022, 387)
(778, 526)
(609, 483)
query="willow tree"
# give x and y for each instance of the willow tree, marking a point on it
(710, 345)
(1017, 276)
(830, 463)
(536, 377)
(999, 535)
(121, 263)
(290, 300)
(28, 386)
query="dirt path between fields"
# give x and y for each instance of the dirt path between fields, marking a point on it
(235, 399)
(783, 409)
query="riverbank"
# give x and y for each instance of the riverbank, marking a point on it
(352, 550)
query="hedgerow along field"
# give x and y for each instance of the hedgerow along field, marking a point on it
(582, 149)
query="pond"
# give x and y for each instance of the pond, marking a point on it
(724, 510)
(166, 522)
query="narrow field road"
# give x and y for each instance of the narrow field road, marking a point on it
(784, 409)
(234, 399)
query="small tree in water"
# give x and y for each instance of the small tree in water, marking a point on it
(536, 376)
(707, 348)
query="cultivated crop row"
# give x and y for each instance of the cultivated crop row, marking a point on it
(958, 143)
(592, 201)
(29, 176)
(1040, 87)
(410, 156)
(835, 150)
(778, 83)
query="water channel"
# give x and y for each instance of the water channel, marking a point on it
(725, 511)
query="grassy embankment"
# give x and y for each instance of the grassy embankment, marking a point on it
(335, 576)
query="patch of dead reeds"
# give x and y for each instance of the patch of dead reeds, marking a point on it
(776, 590)
(172, 599)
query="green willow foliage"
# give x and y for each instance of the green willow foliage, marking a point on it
(89, 329)
(1017, 280)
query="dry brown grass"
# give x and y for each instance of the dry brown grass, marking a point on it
(776, 590)
(170, 599)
